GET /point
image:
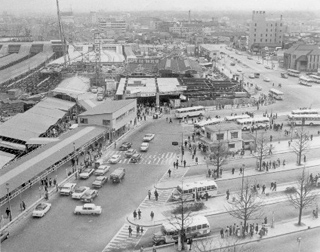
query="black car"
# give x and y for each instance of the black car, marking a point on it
(125, 146)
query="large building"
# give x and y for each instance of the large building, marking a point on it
(113, 25)
(302, 57)
(265, 33)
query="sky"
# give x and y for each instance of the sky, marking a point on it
(24, 6)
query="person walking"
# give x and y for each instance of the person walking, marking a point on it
(149, 194)
(139, 214)
(222, 233)
(266, 220)
(274, 186)
(156, 195)
(169, 173)
(257, 228)
(240, 171)
(304, 158)
(141, 231)
(234, 229)
(8, 212)
(263, 189)
(232, 171)
(138, 230)
(134, 214)
(271, 186)
(284, 162)
(130, 231)
(228, 194)
(152, 215)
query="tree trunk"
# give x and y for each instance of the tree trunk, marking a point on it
(300, 215)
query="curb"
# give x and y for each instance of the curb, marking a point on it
(134, 224)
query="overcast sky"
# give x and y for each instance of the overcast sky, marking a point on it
(133, 5)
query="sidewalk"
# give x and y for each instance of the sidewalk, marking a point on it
(280, 229)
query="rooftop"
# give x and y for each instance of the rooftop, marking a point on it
(224, 126)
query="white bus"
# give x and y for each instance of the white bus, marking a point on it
(306, 81)
(276, 94)
(190, 111)
(307, 120)
(194, 226)
(293, 73)
(255, 122)
(236, 117)
(199, 126)
(304, 112)
(189, 190)
(315, 79)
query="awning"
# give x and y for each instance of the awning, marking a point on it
(14, 146)
(5, 158)
(42, 140)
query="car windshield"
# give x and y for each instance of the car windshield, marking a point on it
(144, 144)
(79, 190)
(100, 178)
(149, 135)
(87, 170)
(40, 207)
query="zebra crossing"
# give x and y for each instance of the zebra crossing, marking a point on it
(122, 240)
(165, 158)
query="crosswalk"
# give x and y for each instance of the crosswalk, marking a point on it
(166, 158)
(122, 241)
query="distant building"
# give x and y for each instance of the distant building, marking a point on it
(302, 58)
(118, 26)
(265, 33)
(67, 17)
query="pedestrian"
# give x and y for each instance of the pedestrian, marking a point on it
(8, 212)
(251, 231)
(141, 249)
(222, 233)
(209, 173)
(139, 214)
(226, 232)
(50, 182)
(174, 165)
(54, 182)
(230, 230)
(154, 248)
(304, 158)
(266, 220)
(130, 231)
(257, 228)
(289, 142)
(274, 186)
(240, 170)
(156, 195)
(234, 229)
(149, 194)
(228, 194)
(232, 171)
(152, 215)
(134, 214)
(138, 230)
(184, 163)
(263, 189)
(190, 243)
(169, 173)
(271, 186)
(141, 231)
(42, 182)
(23, 205)
(177, 164)
(311, 137)
(196, 159)
(284, 162)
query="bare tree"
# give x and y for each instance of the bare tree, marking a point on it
(303, 196)
(245, 206)
(300, 145)
(263, 149)
(218, 154)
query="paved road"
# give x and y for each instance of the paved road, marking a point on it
(60, 230)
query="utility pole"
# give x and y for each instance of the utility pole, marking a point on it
(61, 35)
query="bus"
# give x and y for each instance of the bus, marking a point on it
(236, 117)
(276, 94)
(194, 226)
(293, 73)
(255, 123)
(307, 120)
(189, 190)
(199, 126)
(306, 81)
(190, 111)
(315, 79)
(304, 111)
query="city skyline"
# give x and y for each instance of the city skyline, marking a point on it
(24, 6)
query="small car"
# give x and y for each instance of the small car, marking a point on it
(251, 76)
(267, 67)
(239, 70)
(88, 209)
(125, 146)
(89, 195)
(148, 137)
(99, 181)
(157, 115)
(114, 159)
(258, 88)
(102, 169)
(117, 175)
(79, 191)
(94, 89)
(86, 173)
(258, 62)
(232, 64)
(41, 209)
(266, 79)
(4, 235)
(249, 58)
(135, 158)
(129, 153)
(67, 188)
(144, 146)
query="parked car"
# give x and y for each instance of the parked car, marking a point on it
(267, 67)
(251, 76)
(79, 191)
(89, 195)
(258, 62)
(114, 159)
(157, 115)
(249, 58)
(117, 175)
(88, 209)
(257, 75)
(148, 137)
(102, 169)
(266, 79)
(129, 153)
(41, 209)
(94, 89)
(135, 158)
(86, 173)
(239, 70)
(144, 146)
(232, 64)
(4, 235)
(67, 188)
(258, 88)
(99, 181)
(125, 146)
(284, 75)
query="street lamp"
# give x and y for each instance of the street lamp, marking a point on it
(299, 242)
(10, 215)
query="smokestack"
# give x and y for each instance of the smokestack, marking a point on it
(189, 16)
